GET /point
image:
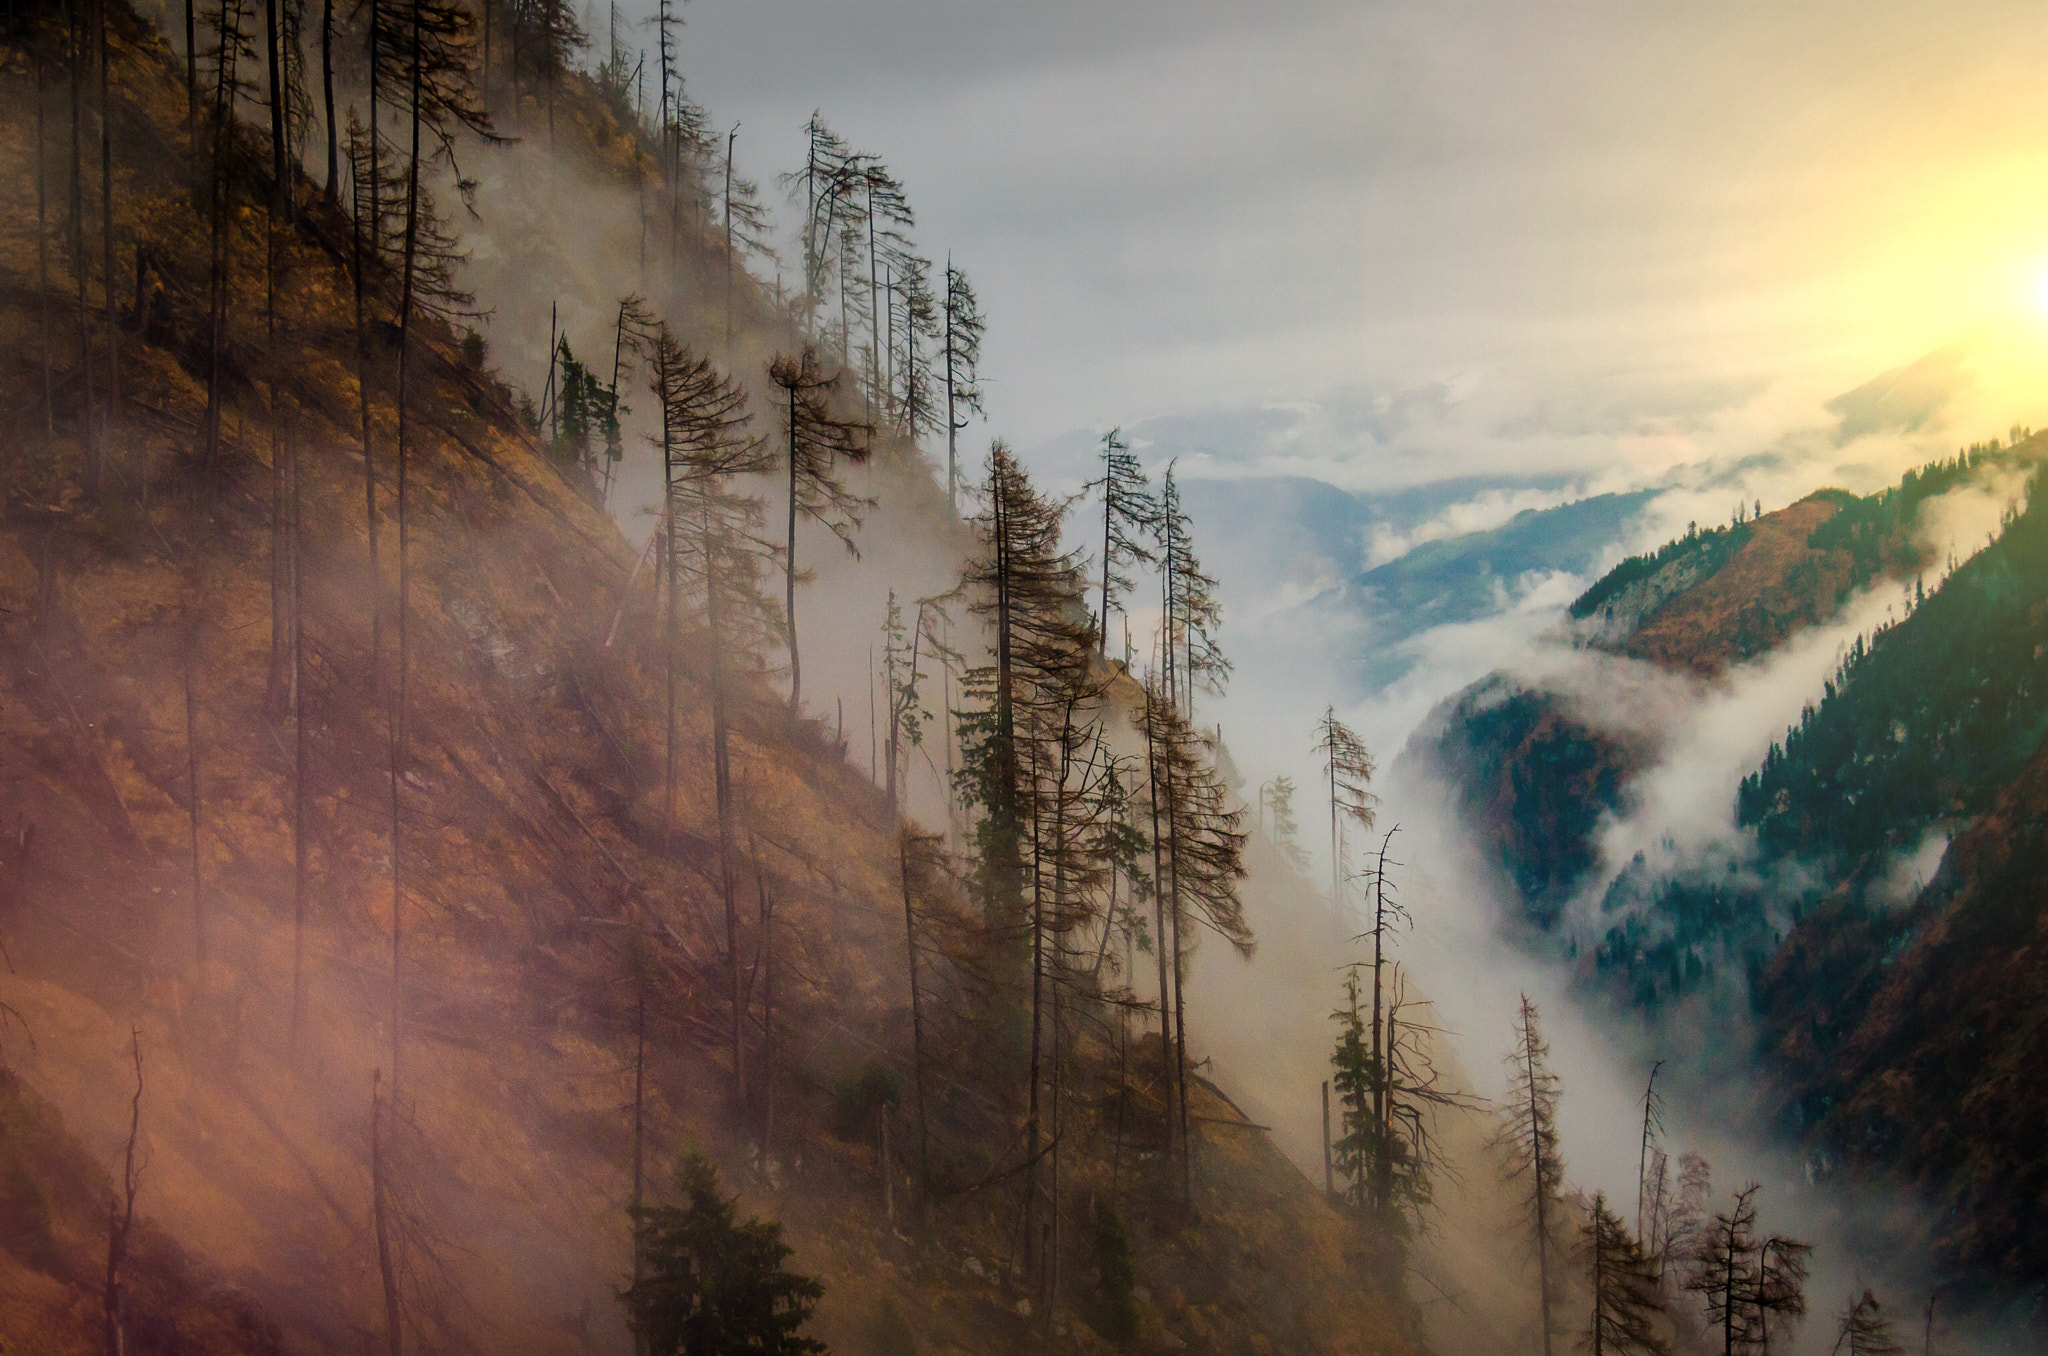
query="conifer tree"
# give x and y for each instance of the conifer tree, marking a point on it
(1191, 612)
(1686, 1229)
(1724, 1273)
(1198, 837)
(1780, 1285)
(817, 441)
(963, 331)
(1276, 812)
(1348, 765)
(1387, 913)
(1623, 1281)
(705, 445)
(1528, 1134)
(913, 403)
(713, 1284)
(1865, 1329)
(1128, 510)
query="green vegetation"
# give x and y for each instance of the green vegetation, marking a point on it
(714, 1285)
(1925, 721)
(1713, 546)
(1873, 528)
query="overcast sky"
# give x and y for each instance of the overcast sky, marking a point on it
(1384, 242)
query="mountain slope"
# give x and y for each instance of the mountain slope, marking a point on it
(555, 905)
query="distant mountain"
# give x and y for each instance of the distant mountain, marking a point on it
(1463, 578)
(1904, 1025)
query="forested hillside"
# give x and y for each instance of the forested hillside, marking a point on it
(422, 908)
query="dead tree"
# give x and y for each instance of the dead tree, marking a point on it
(1348, 764)
(121, 1217)
(1528, 1134)
(380, 1214)
(1623, 1281)
(963, 331)
(1724, 1272)
(1865, 1330)
(705, 445)
(1129, 512)
(817, 442)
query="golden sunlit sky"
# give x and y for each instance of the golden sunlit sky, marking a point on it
(1442, 236)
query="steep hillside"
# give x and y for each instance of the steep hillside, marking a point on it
(1698, 606)
(509, 929)
(1911, 1038)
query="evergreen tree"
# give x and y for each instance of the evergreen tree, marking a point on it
(705, 445)
(1528, 1134)
(817, 441)
(714, 1285)
(1356, 1083)
(1780, 1285)
(1349, 767)
(1129, 512)
(1626, 1296)
(963, 331)
(1724, 1267)
(1276, 812)
(1865, 1330)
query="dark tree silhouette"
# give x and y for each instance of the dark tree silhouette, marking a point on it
(714, 1284)
(1626, 1296)
(817, 443)
(1528, 1134)
(1348, 765)
(1130, 513)
(963, 331)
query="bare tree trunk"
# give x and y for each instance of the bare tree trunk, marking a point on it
(327, 99)
(300, 750)
(639, 1136)
(107, 225)
(1329, 1169)
(121, 1218)
(88, 431)
(387, 1262)
(192, 84)
(767, 1012)
(796, 668)
(190, 644)
(43, 245)
(1159, 939)
(721, 762)
(924, 1176)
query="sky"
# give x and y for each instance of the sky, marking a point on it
(1381, 243)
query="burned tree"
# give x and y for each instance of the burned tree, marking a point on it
(1129, 513)
(963, 331)
(817, 443)
(1348, 765)
(1865, 1329)
(705, 444)
(1528, 1135)
(1626, 1296)
(1724, 1272)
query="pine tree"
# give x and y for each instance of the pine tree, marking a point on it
(963, 331)
(713, 1284)
(1724, 1273)
(1129, 512)
(1626, 1296)
(705, 445)
(1528, 1134)
(1355, 1081)
(1386, 914)
(1348, 765)
(816, 442)
(1780, 1285)
(1866, 1331)
(1191, 612)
